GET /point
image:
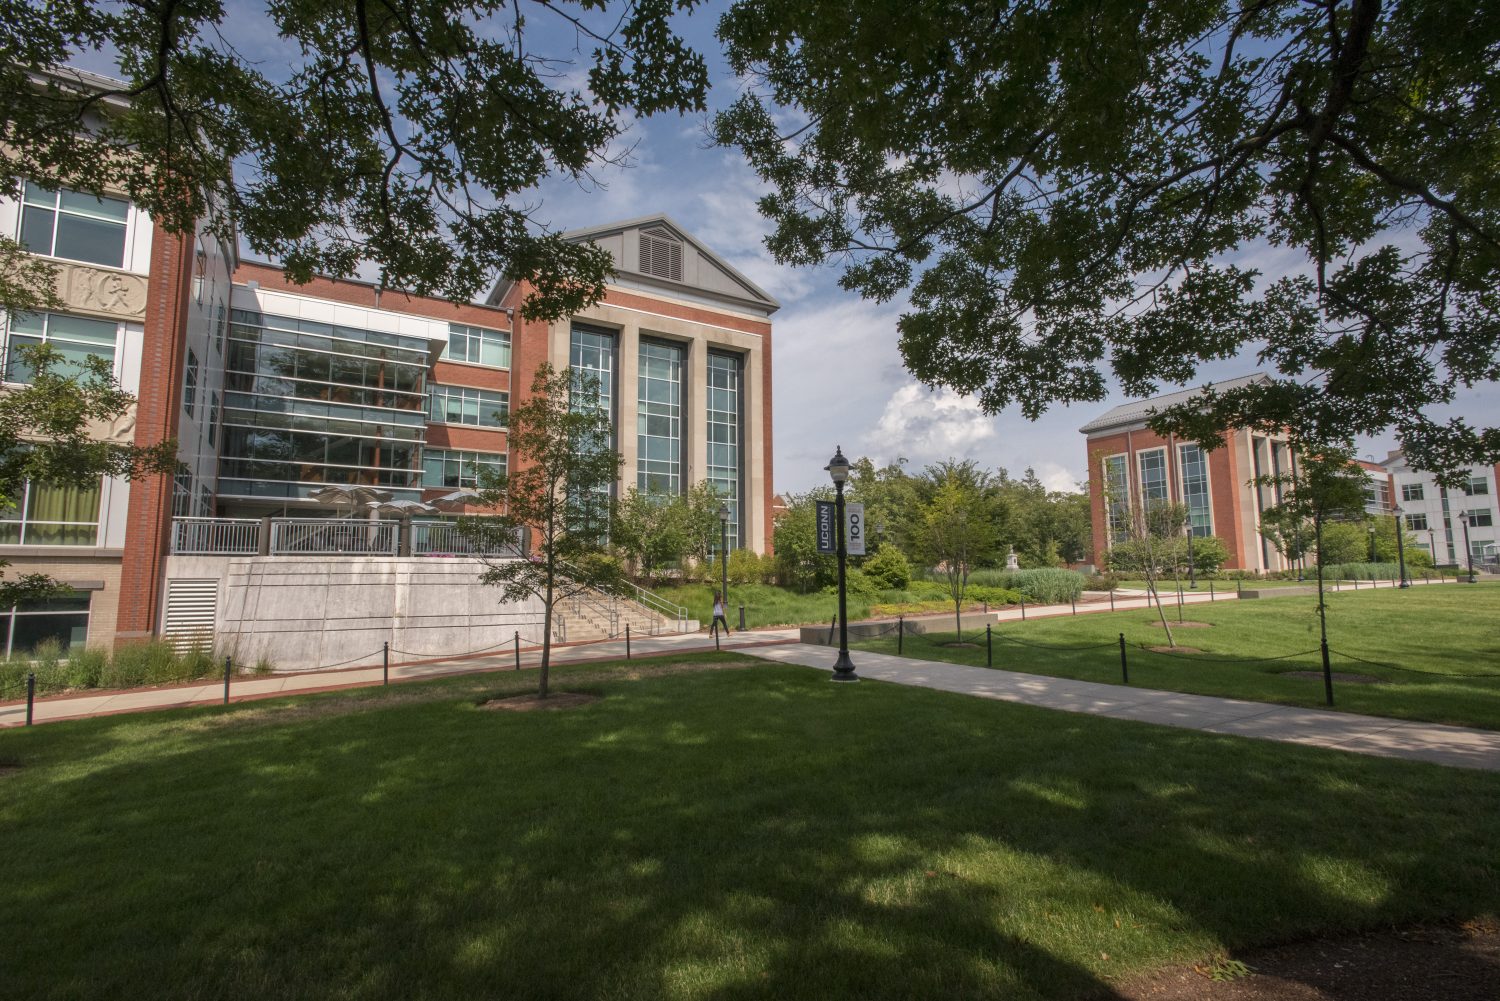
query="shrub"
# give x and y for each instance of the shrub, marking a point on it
(992, 595)
(1361, 571)
(857, 584)
(890, 568)
(86, 667)
(746, 567)
(1047, 586)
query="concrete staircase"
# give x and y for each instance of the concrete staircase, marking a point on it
(596, 615)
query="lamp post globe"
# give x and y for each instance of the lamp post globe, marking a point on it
(724, 556)
(1463, 519)
(838, 470)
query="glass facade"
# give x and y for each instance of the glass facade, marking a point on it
(592, 353)
(725, 417)
(1194, 464)
(452, 468)
(73, 337)
(46, 514)
(1117, 496)
(659, 419)
(477, 346)
(308, 403)
(462, 405)
(74, 225)
(1153, 478)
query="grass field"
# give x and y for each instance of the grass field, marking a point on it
(710, 835)
(1419, 643)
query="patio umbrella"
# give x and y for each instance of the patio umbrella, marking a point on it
(458, 498)
(401, 507)
(337, 496)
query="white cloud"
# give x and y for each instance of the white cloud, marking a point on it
(926, 425)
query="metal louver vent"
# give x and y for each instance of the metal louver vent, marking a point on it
(661, 255)
(191, 608)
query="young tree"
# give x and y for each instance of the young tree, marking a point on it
(651, 528)
(49, 433)
(408, 133)
(1152, 545)
(702, 528)
(795, 543)
(958, 531)
(1073, 190)
(561, 436)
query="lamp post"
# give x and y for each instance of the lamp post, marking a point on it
(1192, 581)
(1463, 519)
(838, 469)
(724, 556)
(1432, 546)
(1400, 547)
(1372, 543)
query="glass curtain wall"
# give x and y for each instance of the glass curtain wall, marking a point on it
(1194, 462)
(1117, 485)
(659, 419)
(592, 353)
(308, 404)
(1154, 479)
(725, 424)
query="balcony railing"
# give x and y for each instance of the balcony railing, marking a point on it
(216, 536)
(333, 536)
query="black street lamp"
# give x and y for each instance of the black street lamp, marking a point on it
(1400, 547)
(838, 468)
(724, 556)
(1192, 581)
(1463, 519)
(1372, 543)
(1432, 546)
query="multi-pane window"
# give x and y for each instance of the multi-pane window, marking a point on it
(1416, 522)
(452, 468)
(63, 619)
(75, 338)
(182, 495)
(1195, 495)
(190, 384)
(462, 405)
(1411, 491)
(46, 514)
(213, 420)
(74, 225)
(221, 323)
(725, 416)
(1117, 496)
(591, 356)
(1482, 518)
(659, 418)
(1477, 486)
(1153, 470)
(478, 346)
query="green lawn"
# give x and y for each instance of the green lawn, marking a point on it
(754, 832)
(1443, 631)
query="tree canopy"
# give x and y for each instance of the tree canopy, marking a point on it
(1076, 188)
(400, 132)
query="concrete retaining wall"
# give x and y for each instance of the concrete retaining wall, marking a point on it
(860, 631)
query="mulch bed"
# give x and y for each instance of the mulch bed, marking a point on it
(1353, 679)
(1189, 624)
(1413, 964)
(533, 702)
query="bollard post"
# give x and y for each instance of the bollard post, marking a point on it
(1239, 586)
(1023, 609)
(986, 606)
(831, 627)
(989, 647)
(30, 695)
(1111, 599)
(1124, 665)
(742, 618)
(1074, 603)
(627, 639)
(1327, 674)
(716, 641)
(518, 649)
(385, 663)
(227, 667)
(900, 633)
(1210, 589)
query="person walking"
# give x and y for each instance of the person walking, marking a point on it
(719, 615)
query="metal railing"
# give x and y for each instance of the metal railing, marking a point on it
(443, 538)
(329, 536)
(216, 536)
(661, 606)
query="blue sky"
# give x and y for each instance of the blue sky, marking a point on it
(836, 365)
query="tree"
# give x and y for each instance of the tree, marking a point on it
(1152, 546)
(560, 434)
(1072, 188)
(701, 524)
(795, 541)
(47, 435)
(651, 528)
(409, 133)
(957, 532)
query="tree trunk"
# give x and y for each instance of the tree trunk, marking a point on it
(546, 641)
(1162, 612)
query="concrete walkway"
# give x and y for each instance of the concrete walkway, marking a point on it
(1445, 745)
(245, 688)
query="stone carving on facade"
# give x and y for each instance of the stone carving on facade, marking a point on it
(121, 430)
(102, 291)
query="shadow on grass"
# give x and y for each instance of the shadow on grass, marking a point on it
(721, 835)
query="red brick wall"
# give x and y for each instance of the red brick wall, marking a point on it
(364, 294)
(149, 517)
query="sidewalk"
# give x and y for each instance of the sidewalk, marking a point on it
(1391, 738)
(245, 688)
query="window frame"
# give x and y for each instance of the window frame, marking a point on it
(127, 225)
(446, 389)
(9, 616)
(1208, 488)
(474, 334)
(463, 457)
(25, 521)
(48, 338)
(1412, 492)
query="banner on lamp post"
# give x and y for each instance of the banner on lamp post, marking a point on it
(827, 520)
(854, 529)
